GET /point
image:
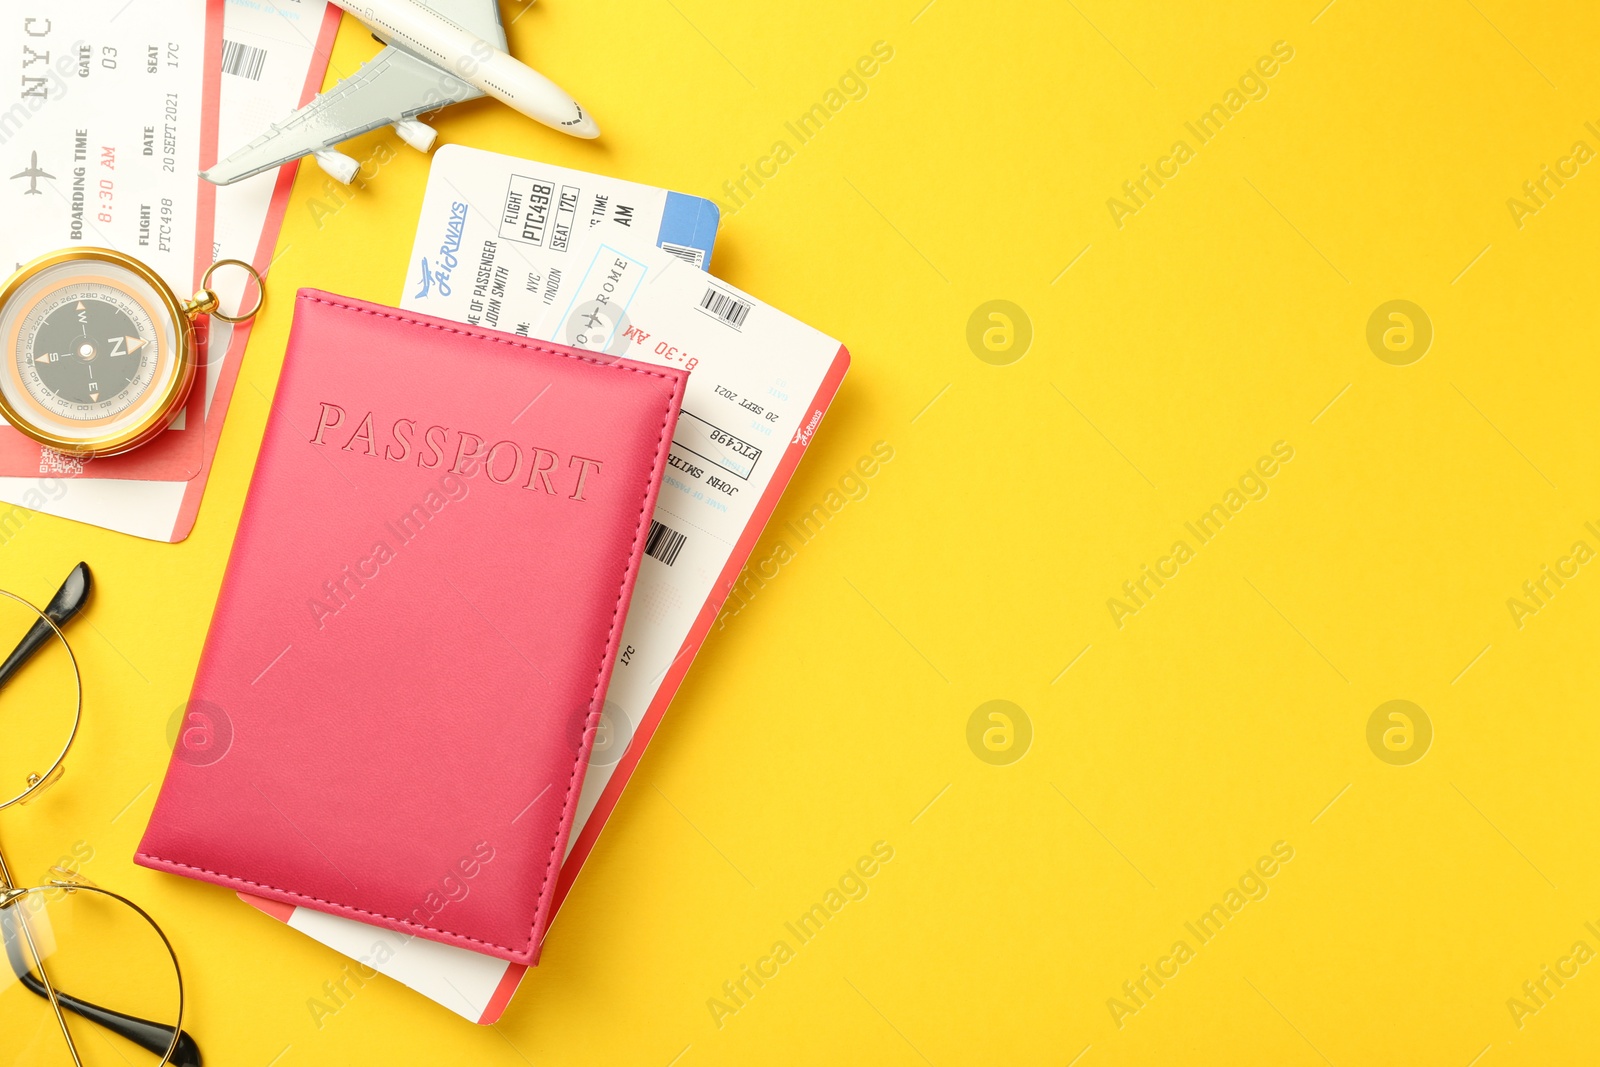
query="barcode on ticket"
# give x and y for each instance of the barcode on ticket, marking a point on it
(663, 543)
(692, 256)
(724, 306)
(243, 60)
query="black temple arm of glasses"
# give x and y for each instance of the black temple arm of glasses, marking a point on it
(68, 601)
(155, 1038)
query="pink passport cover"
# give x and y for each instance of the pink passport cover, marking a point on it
(411, 647)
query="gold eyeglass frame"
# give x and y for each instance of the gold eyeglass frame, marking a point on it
(12, 895)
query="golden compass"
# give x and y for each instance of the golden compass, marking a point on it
(99, 352)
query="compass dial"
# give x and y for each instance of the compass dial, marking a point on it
(96, 354)
(88, 351)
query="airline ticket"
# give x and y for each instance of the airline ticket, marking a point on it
(100, 130)
(759, 384)
(497, 233)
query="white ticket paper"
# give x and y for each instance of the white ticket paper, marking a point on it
(755, 376)
(267, 48)
(100, 111)
(497, 233)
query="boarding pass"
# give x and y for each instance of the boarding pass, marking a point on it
(100, 118)
(759, 384)
(497, 233)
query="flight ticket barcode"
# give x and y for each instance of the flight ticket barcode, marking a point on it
(242, 59)
(663, 543)
(730, 309)
(692, 256)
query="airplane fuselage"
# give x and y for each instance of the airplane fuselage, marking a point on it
(430, 36)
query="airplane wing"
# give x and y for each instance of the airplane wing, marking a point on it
(394, 85)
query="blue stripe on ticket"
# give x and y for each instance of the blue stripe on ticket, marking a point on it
(689, 223)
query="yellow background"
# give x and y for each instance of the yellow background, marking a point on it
(1229, 713)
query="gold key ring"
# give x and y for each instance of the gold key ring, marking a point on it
(206, 303)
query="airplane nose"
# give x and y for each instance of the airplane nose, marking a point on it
(537, 96)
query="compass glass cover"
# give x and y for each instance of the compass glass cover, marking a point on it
(90, 351)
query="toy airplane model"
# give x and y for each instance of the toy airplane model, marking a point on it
(435, 53)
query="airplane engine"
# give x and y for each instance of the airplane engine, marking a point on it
(418, 135)
(338, 165)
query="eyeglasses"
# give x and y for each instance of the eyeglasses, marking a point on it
(92, 980)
